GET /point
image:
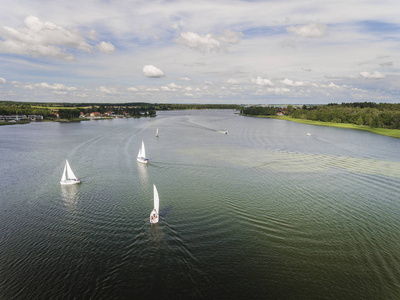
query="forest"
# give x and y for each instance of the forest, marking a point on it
(375, 115)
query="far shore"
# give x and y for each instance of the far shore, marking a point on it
(382, 131)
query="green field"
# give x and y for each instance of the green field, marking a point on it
(382, 131)
(388, 132)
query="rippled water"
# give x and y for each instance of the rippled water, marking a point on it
(265, 211)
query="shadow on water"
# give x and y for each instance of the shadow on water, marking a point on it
(164, 212)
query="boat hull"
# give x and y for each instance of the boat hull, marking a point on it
(143, 160)
(70, 182)
(154, 217)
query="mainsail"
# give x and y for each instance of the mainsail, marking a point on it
(70, 174)
(156, 199)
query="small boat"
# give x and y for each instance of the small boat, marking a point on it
(308, 133)
(154, 213)
(142, 155)
(68, 176)
(157, 132)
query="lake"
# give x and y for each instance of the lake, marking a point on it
(263, 212)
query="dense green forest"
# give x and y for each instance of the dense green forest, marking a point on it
(376, 115)
(259, 111)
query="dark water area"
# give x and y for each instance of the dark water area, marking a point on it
(263, 212)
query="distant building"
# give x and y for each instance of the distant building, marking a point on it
(35, 118)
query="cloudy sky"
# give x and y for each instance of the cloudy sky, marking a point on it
(209, 51)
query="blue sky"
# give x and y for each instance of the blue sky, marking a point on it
(219, 51)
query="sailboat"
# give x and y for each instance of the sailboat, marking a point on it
(157, 132)
(68, 176)
(154, 214)
(142, 155)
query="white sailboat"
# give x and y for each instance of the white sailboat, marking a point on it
(157, 132)
(142, 155)
(68, 176)
(154, 213)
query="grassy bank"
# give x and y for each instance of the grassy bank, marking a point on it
(382, 131)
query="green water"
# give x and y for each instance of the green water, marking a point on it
(265, 211)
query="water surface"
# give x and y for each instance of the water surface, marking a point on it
(265, 211)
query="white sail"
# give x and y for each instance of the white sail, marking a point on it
(143, 150)
(68, 177)
(142, 155)
(64, 175)
(156, 199)
(70, 173)
(157, 132)
(154, 215)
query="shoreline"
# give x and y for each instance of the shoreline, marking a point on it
(394, 133)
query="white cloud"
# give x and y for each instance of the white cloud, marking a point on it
(278, 90)
(210, 42)
(260, 81)
(185, 78)
(44, 39)
(106, 47)
(55, 86)
(105, 90)
(172, 87)
(289, 82)
(132, 89)
(310, 30)
(333, 86)
(375, 75)
(232, 81)
(2, 80)
(152, 71)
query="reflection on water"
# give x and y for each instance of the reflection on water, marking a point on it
(70, 195)
(143, 174)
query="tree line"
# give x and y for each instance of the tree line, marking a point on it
(376, 115)
(382, 115)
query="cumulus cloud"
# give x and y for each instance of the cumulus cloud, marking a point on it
(44, 39)
(278, 90)
(289, 82)
(152, 72)
(232, 81)
(333, 86)
(55, 86)
(172, 87)
(132, 89)
(260, 81)
(185, 78)
(106, 47)
(375, 75)
(210, 42)
(105, 90)
(313, 30)
(2, 80)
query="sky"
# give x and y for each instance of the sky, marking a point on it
(209, 51)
